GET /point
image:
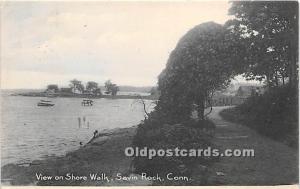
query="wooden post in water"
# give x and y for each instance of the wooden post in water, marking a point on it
(79, 122)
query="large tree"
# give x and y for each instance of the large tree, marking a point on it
(196, 68)
(53, 87)
(76, 85)
(93, 88)
(111, 88)
(267, 34)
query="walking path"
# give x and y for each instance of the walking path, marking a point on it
(274, 163)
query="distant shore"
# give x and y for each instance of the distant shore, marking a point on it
(104, 155)
(73, 95)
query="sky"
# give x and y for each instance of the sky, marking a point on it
(128, 42)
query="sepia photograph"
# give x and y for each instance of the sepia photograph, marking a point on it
(149, 93)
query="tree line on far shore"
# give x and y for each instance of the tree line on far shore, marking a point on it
(91, 88)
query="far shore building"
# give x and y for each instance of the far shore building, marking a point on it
(66, 90)
(247, 91)
(221, 98)
(76, 91)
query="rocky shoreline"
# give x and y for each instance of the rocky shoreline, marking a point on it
(103, 157)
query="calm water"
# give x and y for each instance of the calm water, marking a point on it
(30, 132)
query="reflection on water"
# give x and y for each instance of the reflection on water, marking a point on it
(30, 132)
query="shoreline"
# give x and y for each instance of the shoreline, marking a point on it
(42, 94)
(103, 154)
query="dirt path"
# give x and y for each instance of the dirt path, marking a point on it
(274, 163)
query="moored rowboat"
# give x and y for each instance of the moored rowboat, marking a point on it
(45, 103)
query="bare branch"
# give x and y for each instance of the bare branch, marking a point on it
(144, 105)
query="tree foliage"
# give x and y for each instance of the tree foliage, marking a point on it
(53, 87)
(195, 69)
(111, 88)
(266, 33)
(76, 85)
(261, 43)
(93, 88)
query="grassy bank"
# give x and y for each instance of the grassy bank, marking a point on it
(274, 114)
(156, 134)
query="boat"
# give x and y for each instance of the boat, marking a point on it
(45, 103)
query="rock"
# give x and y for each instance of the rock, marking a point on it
(220, 173)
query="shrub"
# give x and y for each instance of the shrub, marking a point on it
(156, 134)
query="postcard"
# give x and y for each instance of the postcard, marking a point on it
(149, 93)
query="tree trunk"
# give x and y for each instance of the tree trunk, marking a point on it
(200, 109)
(293, 64)
(276, 79)
(268, 80)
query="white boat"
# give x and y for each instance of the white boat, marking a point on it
(45, 103)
